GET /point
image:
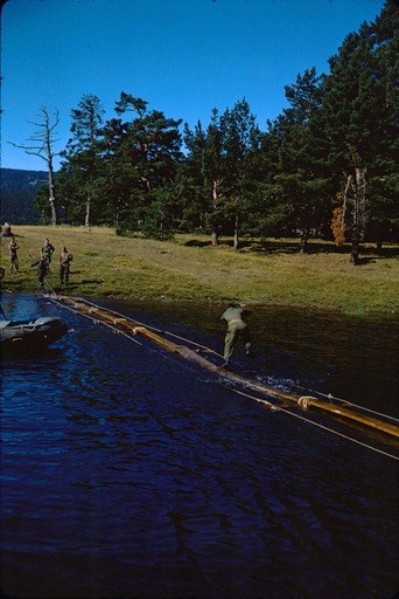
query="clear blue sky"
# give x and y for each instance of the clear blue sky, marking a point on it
(184, 57)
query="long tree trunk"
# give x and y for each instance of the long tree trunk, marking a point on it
(52, 192)
(235, 235)
(358, 213)
(345, 200)
(87, 214)
(215, 223)
(117, 215)
(303, 246)
(215, 235)
(49, 160)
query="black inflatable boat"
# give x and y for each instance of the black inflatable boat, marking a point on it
(30, 336)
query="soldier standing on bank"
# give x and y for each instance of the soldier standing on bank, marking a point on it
(64, 262)
(13, 248)
(47, 250)
(42, 271)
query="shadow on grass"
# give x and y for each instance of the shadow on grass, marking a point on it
(385, 252)
(66, 287)
(197, 243)
(278, 246)
(363, 261)
(314, 247)
(73, 285)
(8, 282)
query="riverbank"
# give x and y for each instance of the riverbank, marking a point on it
(269, 272)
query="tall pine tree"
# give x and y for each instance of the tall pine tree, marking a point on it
(81, 167)
(361, 114)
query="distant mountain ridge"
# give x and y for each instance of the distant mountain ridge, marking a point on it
(18, 190)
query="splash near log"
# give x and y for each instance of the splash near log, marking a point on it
(136, 329)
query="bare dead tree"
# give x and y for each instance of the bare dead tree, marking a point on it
(41, 144)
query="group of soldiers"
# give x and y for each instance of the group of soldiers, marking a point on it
(43, 265)
(234, 316)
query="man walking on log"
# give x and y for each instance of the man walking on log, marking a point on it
(236, 329)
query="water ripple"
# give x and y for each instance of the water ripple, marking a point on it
(125, 475)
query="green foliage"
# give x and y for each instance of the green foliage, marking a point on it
(221, 164)
(264, 271)
(360, 108)
(333, 150)
(80, 172)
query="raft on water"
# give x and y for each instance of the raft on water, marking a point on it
(30, 336)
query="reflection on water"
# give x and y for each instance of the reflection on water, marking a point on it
(128, 473)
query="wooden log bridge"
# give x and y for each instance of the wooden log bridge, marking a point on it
(130, 326)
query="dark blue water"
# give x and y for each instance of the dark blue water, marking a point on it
(129, 473)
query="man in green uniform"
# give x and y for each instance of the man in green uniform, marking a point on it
(13, 249)
(47, 250)
(42, 271)
(64, 261)
(236, 329)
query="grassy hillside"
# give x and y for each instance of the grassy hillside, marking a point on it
(271, 272)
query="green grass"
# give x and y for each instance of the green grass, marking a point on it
(188, 268)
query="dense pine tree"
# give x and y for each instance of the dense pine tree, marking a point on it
(147, 151)
(220, 163)
(327, 163)
(360, 112)
(383, 175)
(81, 168)
(300, 171)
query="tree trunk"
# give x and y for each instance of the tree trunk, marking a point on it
(303, 246)
(361, 197)
(214, 236)
(117, 215)
(358, 213)
(235, 236)
(49, 160)
(215, 224)
(345, 199)
(87, 215)
(51, 193)
(355, 252)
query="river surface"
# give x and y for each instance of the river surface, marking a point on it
(127, 472)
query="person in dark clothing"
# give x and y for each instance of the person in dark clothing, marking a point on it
(64, 261)
(42, 271)
(13, 249)
(47, 250)
(236, 329)
(7, 230)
